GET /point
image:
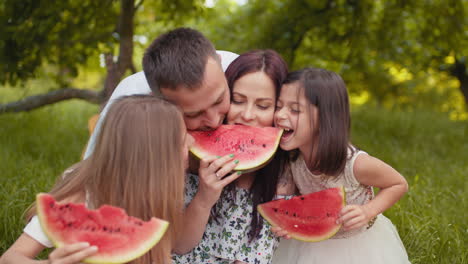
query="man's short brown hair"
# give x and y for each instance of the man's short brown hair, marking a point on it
(177, 58)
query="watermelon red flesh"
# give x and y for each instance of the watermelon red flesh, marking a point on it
(120, 238)
(311, 217)
(252, 146)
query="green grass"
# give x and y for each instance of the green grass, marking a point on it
(35, 148)
(432, 153)
(426, 147)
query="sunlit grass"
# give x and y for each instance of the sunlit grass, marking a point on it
(426, 147)
(430, 151)
(35, 148)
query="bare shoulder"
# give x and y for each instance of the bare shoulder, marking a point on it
(372, 171)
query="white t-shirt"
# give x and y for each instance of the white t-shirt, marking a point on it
(137, 84)
(133, 84)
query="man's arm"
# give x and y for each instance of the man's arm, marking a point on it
(133, 84)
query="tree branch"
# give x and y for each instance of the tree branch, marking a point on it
(37, 101)
(138, 5)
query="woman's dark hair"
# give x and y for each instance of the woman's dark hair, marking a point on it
(327, 91)
(267, 61)
(265, 182)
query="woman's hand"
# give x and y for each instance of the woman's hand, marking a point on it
(213, 179)
(354, 216)
(279, 232)
(71, 254)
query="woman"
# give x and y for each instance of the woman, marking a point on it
(235, 232)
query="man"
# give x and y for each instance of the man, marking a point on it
(184, 67)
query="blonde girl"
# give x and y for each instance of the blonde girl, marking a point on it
(138, 164)
(313, 108)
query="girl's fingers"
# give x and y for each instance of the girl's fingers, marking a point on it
(353, 221)
(68, 249)
(79, 256)
(348, 215)
(275, 229)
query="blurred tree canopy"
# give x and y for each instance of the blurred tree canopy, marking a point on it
(367, 41)
(384, 49)
(64, 34)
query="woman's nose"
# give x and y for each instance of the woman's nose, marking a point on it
(248, 113)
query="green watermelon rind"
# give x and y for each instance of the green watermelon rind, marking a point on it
(246, 167)
(299, 236)
(145, 247)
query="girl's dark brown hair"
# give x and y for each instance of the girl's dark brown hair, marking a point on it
(137, 165)
(327, 91)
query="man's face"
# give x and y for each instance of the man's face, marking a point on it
(205, 107)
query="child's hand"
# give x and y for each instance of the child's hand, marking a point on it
(279, 232)
(71, 254)
(354, 216)
(213, 179)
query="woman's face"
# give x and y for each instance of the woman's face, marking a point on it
(253, 101)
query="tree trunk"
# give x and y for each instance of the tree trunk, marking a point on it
(116, 70)
(459, 71)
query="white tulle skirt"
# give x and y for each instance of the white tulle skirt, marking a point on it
(380, 244)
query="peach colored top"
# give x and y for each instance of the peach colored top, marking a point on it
(356, 193)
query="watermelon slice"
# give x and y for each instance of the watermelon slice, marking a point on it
(252, 146)
(120, 238)
(310, 218)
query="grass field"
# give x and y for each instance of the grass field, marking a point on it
(426, 147)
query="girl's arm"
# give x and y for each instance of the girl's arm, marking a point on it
(373, 172)
(25, 249)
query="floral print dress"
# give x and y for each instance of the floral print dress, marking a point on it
(226, 239)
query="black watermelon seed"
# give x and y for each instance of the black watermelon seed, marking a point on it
(251, 141)
(275, 209)
(302, 198)
(264, 145)
(294, 214)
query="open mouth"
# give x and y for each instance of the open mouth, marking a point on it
(287, 134)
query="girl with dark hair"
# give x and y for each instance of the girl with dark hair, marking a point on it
(138, 164)
(313, 109)
(235, 232)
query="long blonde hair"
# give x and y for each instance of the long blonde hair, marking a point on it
(137, 165)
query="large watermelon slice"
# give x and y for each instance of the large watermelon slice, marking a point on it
(120, 238)
(311, 217)
(252, 146)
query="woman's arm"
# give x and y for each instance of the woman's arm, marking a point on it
(210, 186)
(374, 172)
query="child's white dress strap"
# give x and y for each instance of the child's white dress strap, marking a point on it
(34, 230)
